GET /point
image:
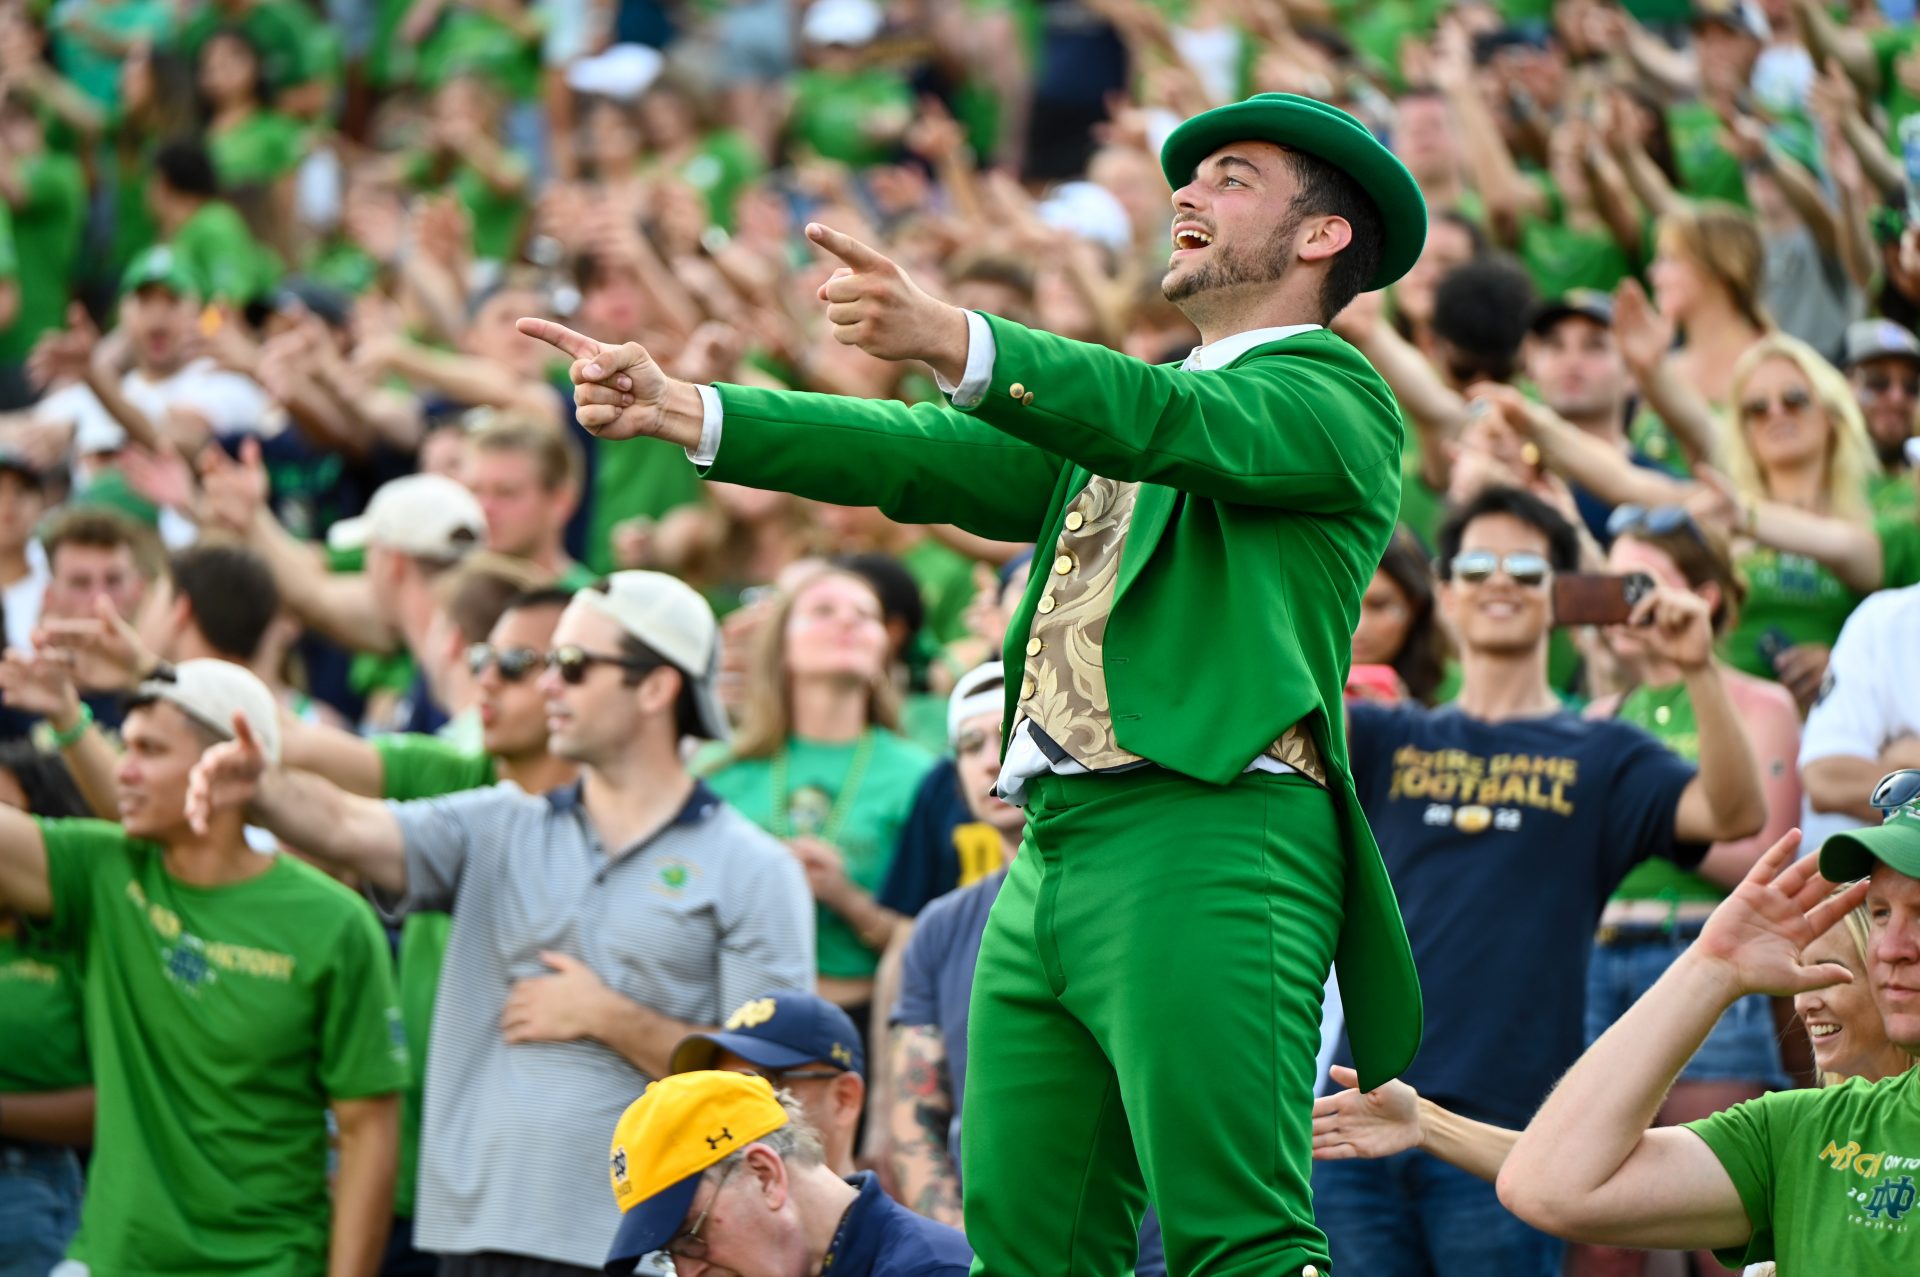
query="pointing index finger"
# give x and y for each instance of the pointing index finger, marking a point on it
(559, 336)
(845, 247)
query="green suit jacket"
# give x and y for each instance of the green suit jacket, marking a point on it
(1268, 493)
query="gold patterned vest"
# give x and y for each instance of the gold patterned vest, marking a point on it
(1063, 691)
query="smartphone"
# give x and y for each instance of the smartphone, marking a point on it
(1773, 645)
(1595, 598)
(1374, 683)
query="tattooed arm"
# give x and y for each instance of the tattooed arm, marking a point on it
(921, 1111)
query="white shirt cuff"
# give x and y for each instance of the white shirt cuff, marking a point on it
(979, 371)
(711, 413)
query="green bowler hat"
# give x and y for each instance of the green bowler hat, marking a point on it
(1896, 844)
(1302, 124)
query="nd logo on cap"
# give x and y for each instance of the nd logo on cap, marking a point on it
(667, 1139)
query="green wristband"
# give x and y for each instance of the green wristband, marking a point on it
(65, 740)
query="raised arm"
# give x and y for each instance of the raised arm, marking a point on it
(1587, 1167)
(1578, 457)
(345, 830)
(1725, 800)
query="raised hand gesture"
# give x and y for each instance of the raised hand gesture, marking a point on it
(105, 650)
(227, 777)
(1679, 626)
(874, 305)
(1756, 935)
(1644, 334)
(619, 391)
(39, 683)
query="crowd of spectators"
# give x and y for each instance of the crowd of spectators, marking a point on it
(414, 776)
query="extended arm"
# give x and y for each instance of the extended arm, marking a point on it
(348, 761)
(1394, 1118)
(1725, 801)
(1773, 726)
(49, 1117)
(919, 1116)
(1580, 458)
(363, 1186)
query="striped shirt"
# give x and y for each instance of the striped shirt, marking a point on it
(701, 916)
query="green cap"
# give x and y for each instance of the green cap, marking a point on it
(1895, 844)
(160, 265)
(1302, 124)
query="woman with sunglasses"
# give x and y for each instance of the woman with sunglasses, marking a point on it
(1800, 445)
(819, 763)
(1659, 907)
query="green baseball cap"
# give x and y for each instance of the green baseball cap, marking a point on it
(160, 265)
(1895, 844)
(1302, 124)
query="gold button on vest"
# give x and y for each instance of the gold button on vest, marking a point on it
(1064, 691)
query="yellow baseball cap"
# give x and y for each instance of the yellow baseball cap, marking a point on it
(665, 1141)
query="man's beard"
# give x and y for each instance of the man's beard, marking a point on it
(1268, 265)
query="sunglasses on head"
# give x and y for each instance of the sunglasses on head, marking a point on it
(514, 663)
(572, 663)
(1659, 521)
(1476, 566)
(1896, 790)
(1795, 401)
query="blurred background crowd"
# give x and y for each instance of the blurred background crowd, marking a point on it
(262, 401)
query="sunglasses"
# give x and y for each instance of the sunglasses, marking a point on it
(1793, 401)
(514, 663)
(1477, 566)
(1659, 521)
(780, 1077)
(572, 663)
(1875, 384)
(690, 1245)
(1896, 790)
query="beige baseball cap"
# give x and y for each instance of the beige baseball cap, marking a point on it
(427, 515)
(671, 617)
(212, 692)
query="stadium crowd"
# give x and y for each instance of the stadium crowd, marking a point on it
(396, 778)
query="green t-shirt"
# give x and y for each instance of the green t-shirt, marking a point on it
(1785, 592)
(724, 164)
(1666, 714)
(1894, 495)
(421, 767)
(215, 1015)
(223, 255)
(1899, 551)
(1652, 439)
(94, 72)
(1708, 170)
(833, 112)
(496, 216)
(945, 578)
(1889, 45)
(40, 1003)
(468, 42)
(1422, 510)
(46, 238)
(1561, 257)
(864, 825)
(259, 151)
(1830, 1177)
(632, 479)
(341, 264)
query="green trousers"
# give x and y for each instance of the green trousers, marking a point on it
(1145, 1017)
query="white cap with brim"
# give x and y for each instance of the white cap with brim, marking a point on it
(980, 690)
(426, 515)
(844, 22)
(212, 692)
(669, 616)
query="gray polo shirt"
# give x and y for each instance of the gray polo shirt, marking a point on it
(693, 921)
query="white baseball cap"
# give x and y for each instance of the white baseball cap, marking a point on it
(212, 692)
(979, 690)
(426, 515)
(845, 22)
(671, 617)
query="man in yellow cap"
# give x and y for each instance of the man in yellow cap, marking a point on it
(1195, 857)
(723, 1175)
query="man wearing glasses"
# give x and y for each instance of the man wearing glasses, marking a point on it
(1506, 821)
(802, 1044)
(1817, 1181)
(593, 928)
(723, 1175)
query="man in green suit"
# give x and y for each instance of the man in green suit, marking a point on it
(1147, 1005)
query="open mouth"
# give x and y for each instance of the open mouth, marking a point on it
(1187, 237)
(1819, 1031)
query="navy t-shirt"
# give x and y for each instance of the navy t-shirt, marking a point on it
(1504, 841)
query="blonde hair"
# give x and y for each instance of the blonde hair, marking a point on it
(1851, 460)
(1859, 930)
(767, 717)
(1724, 242)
